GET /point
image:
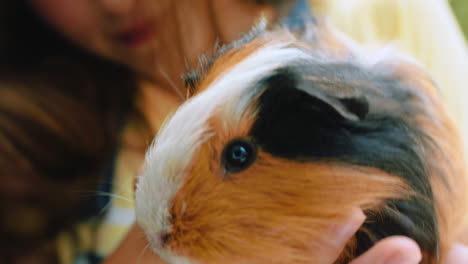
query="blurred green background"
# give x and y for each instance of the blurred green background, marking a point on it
(460, 7)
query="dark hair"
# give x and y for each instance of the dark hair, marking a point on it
(61, 111)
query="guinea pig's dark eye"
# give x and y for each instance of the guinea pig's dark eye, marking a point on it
(238, 155)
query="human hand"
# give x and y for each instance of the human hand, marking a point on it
(193, 28)
(391, 250)
(458, 255)
(398, 250)
(401, 250)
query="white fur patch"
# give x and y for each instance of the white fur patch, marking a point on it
(173, 149)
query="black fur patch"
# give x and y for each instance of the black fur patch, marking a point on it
(293, 123)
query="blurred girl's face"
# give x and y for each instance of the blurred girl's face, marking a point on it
(126, 31)
(153, 37)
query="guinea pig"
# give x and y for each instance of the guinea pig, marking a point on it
(286, 133)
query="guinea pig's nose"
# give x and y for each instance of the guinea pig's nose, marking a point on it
(164, 238)
(160, 239)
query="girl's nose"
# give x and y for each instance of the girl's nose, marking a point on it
(117, 7)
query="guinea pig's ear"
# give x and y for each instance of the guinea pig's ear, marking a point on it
(354, 107)
(303, 113)
(319, 93)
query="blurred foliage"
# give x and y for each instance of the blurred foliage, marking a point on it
(460, 7)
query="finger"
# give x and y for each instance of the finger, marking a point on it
(458, 255)
(392, 250)
(339, 236)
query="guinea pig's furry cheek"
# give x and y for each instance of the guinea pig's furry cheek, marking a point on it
(274, 212)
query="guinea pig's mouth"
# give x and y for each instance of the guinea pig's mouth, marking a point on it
(167, 254)
(159, 240)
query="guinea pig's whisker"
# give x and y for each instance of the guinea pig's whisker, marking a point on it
(112, 195)
(172, 84)
(105, 208)
(94, 194)
(206, 137)
(142, 253)
(183, 208)
(124, 189)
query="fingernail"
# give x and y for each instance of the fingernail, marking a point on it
(407, 253)
(458, 254)
(409, 258)
(401, 260)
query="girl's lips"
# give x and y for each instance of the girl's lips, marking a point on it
(136, 34)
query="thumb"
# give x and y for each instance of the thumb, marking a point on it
(458, 255)
(339, 235)
(392, 250)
